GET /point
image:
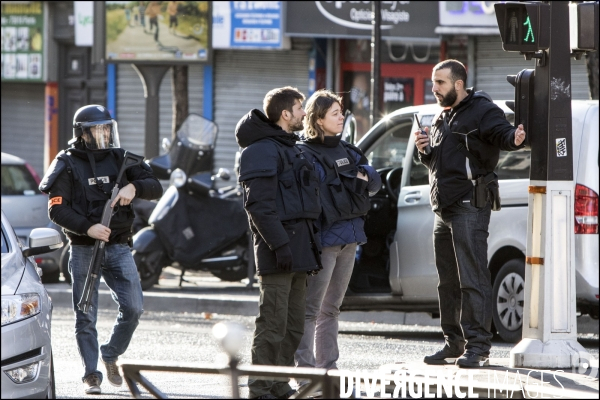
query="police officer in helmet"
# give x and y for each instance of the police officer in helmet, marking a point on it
(79, 182)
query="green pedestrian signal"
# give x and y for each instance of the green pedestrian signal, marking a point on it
(524, 27)
(529, 32)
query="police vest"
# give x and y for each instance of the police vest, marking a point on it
(90, 192)
(298, 186)
(343, 195)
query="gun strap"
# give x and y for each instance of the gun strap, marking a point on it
(461, 148)
(99, 183)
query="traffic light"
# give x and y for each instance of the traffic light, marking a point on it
(583, 26)
(524, 27)
(523, 104)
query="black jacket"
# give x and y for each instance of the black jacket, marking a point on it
(482, 128)
(281, 210)
(59, 183)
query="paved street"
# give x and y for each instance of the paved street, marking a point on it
(366, 343)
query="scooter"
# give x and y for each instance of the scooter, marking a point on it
(194, 226)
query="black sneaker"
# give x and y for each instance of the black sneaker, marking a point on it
(472, 360)
(444, 356)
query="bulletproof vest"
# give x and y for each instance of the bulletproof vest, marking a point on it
(343, 195)
(298, 186)
(90, 192)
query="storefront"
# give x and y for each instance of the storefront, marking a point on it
(409, 50)
(23, 81)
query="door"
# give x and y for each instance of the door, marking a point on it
(80, 83)
(412, 268)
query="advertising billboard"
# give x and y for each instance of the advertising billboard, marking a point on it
(22, 41)
(249, 25)
(158, 31)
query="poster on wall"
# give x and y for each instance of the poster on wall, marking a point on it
(397, 93)
(248, 24)
(158, 31)
(22, 41)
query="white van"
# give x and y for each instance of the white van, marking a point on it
(395, 270)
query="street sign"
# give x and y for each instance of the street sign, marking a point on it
(523, 27)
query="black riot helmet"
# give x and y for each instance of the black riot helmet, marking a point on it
(96, 128)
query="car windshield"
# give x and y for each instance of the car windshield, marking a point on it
(18, 181)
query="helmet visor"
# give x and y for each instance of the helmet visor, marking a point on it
(100, 135)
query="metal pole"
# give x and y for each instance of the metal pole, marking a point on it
(151, 76)
(375, 61)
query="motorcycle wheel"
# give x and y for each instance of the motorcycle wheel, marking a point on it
(149, 266)
(231, 274)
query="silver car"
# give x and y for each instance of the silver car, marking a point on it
(27, 208)
(27, 367)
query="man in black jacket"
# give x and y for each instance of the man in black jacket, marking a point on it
(467, 136)
(281, 198)
(79, 183)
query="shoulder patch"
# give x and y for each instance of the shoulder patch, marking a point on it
(54, 201)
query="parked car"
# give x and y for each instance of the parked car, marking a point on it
(27, 365)
(27, 208)
(395, 270)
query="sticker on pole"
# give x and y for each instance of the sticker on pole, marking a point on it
(561, 147)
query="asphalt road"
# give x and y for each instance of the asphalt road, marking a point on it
(169, 337)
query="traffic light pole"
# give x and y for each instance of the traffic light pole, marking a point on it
(549, 323)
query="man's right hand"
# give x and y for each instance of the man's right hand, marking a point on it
(284, 258)
(421, 141)
(99, 232)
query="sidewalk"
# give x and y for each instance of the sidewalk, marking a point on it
(203, 293)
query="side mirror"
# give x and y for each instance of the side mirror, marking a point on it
(349, 130)
(43, 240)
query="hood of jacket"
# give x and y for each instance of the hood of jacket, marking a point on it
(255, 126)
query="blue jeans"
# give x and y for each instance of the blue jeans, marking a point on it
(464, 290)
(324, 295)
(121, 276)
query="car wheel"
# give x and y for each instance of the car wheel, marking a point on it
(149, 266)
(64, 264)
(51, 394)
(508, 296)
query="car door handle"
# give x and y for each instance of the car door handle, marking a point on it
(412, 197)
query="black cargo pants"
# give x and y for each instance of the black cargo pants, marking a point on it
(279, 328)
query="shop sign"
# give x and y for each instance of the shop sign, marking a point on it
(468, 13)
(84, 23)
(22, 41)
(158, 31)
(400, 20)
(248, 24)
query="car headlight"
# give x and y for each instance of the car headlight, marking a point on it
(24, 374)
(178, 178)
(20, 306)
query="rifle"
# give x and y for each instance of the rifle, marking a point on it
(129, 160)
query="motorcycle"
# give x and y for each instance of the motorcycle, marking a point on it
(194, 226)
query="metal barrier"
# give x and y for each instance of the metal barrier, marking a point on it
(320, 378)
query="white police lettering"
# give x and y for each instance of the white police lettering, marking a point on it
(341, 162)
(104, 179)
